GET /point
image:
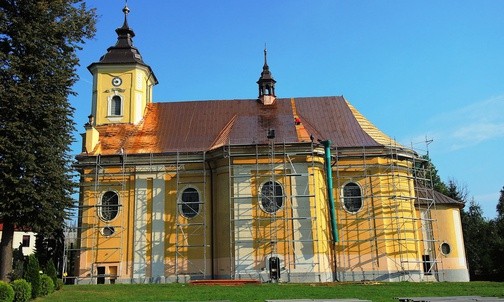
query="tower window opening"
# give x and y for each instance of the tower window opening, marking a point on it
(115, 105)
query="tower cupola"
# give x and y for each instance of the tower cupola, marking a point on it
(123, 51)
(122, 82)
(266, 83)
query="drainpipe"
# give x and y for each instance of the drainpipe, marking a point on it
(212, 242)
(329, 182)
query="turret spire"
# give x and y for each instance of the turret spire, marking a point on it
(126, 11)
(266, 83)
(265, 57)
(123, 51)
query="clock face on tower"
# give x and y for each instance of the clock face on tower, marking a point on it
(116, 81)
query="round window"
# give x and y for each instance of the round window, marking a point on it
(272, 196)
(189, 203)
(108, 231)
(445, 248)
(109, 207)
(352, 197)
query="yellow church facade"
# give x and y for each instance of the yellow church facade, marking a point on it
(269, 189)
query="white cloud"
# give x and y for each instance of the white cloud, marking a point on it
(467, 126)
(479, 132)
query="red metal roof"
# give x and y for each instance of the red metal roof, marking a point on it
(206, 125)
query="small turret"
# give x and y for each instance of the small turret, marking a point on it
(266, 84)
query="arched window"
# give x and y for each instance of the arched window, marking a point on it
(115, 105)
(272, 196)
(352, 197)
(189, 203)
(109, 206)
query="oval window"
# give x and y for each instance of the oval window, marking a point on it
(190, 203)
(272, 196)
(109, 206)
(445, 248)
(352, 197)
(108, 231)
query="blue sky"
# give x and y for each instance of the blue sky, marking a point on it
(417, 69)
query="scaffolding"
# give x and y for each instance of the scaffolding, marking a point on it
(87, 240)
(276, 225)
(271, 212)
(192, 242)
(391, 237)
(177, 247)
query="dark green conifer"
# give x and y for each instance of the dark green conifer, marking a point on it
(38, 44)
(32, 275)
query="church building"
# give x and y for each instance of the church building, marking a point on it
(274, 189)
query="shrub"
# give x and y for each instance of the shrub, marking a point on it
(32, 275)
(46, 285)
(58, 285)
(17, 270)
(22, 290)
(6, 292)
(18, 263)
(51, 271)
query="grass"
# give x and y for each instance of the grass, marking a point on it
(184, 292)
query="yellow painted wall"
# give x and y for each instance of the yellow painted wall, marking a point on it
(383, 236)
(188, 238)
(448, 230)
(98, 249)
(135, 91)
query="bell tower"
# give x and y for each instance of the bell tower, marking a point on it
(266, 84)
(122, 82)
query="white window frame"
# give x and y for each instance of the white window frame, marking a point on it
(109, 107)
(261, 197)
(342, 197)
(100, 208)
(181, 202)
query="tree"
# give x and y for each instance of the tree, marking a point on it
(500, 205)
(498, 250)
(475, 229)
(456, 191)
(38, 45)
(18, 263)
(432, 174)
(50, 247)
(32, 275)
(51, 271)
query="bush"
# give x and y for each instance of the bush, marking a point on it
(22, 290)
(6, 292)
(51, 271)
(46, 285)
(58, 285)
(32, 275)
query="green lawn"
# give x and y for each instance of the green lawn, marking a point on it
(186, 292)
